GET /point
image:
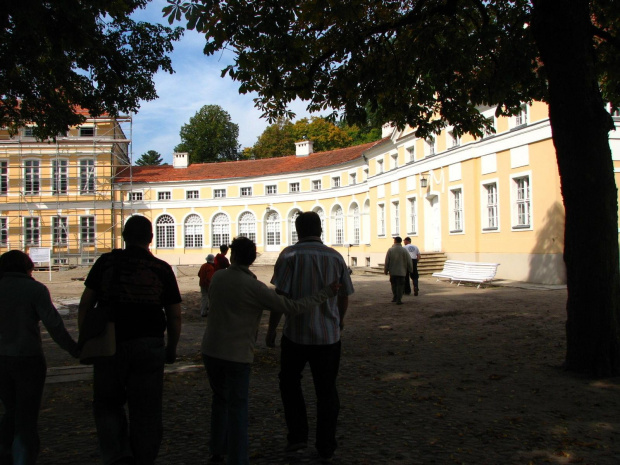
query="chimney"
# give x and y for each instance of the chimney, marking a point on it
(304, 148)
(180, 160)
(386, 130)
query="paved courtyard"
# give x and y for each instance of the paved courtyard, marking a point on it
(454, 376)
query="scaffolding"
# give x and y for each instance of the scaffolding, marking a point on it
(60, 194)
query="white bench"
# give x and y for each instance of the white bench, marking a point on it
(475, 272)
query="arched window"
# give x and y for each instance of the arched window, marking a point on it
(221, 230)
(164, 232)
(247, 226)
(273, 229)
(355, 232)
(293, 236)
(193, 232)
(319, 211)
(338, 221)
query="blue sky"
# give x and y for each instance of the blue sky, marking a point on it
(195, 83)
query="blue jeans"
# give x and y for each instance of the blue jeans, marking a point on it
(230, 382)
(135, 375)
(324, 361)
(21, 388)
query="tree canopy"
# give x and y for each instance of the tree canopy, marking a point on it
(60, 58)
(151, 157)
(433, 63)
(209, 136)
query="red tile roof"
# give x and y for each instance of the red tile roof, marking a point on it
(244, 168)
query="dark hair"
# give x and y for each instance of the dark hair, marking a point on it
(407, 239)
(223, 248)
(15, 261)
(398, 239)
(138, 230)
(308, 224)
(243, 251)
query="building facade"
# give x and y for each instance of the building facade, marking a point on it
(58, 194)
(494, 199)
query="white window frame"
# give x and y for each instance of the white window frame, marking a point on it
(220, 230)
(294, 237)
(457, 210)
(219, 193)
(521, 201)
(88, 176)
(32, 177)
(271, 187)
(490, 206)
(294, 187)
(338, 222)
(164, 195)
(135, 196)
(88, 230)
(192, 194)
(394, 157)
(356, 233)
(60, 230)
(352, 179)
(522, 118)
(395, 204)
(410, 153)
(430, 144)
(316, 185)
(246, 191)
(193, 236)
(379, 166)
(247, 225)
(4, 231)
(87, 131)
(32, 231)
(60, 176)
(453, 140)
(412, 216)
(335, 182)
(165, 232)
(381, 219)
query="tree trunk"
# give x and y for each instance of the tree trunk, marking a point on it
(580, 126)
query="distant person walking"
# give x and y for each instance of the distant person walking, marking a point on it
(310, 338)
(23, 303)
(142, 294)
(397, 265)
(414, 252)
(237, 302)
(221, 262)
(205, 274)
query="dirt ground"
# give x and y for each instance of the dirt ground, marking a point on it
(456, 375)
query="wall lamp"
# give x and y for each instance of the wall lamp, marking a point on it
(423, 182)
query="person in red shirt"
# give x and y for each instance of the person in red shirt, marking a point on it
(221, 262)
(205, 274)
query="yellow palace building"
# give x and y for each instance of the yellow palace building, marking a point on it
(495, 199)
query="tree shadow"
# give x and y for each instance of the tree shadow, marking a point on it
(546, 263)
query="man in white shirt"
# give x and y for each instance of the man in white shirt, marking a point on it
(414, 252)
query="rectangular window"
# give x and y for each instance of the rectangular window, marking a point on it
(31, 177)
(165, 195)
(411, 153)
(316, 185)
(87, 176)
(194, 194)
(523, 202)
(135, 196)
(521, 117)
(379, 166)
(272, 190)
(413, 220)
(430, 144)
(246, 192)
(491, 217)
(4, 232)
(381, 220)
(59, 230)
(453, 140)
(59, 176)
(4, 177)
(352, 179)
(457, 210)
(394, 161)
(336, 181)
(219, 193)
(87, 132)
(29, 132)
(293, 187)
(87, 230)
(395, 218)
(32, 232)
